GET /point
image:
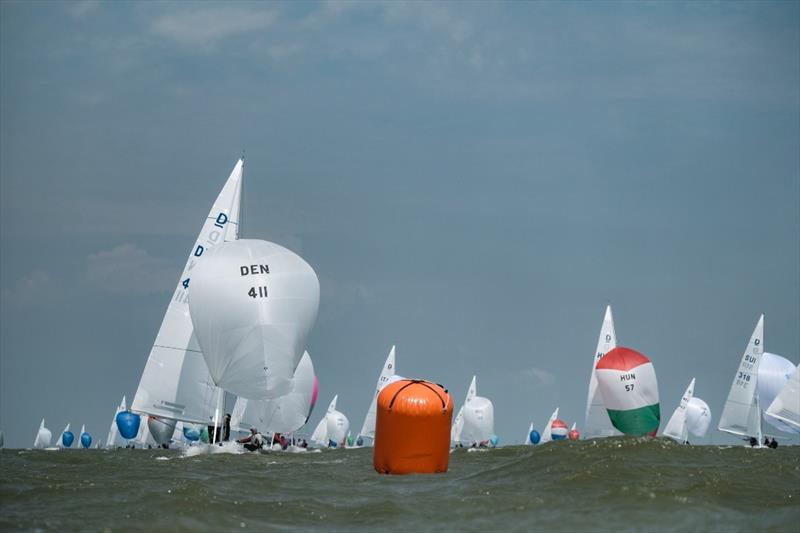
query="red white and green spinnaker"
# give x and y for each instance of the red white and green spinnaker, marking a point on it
(627, 384)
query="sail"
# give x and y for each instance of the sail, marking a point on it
(285, 414)
(786, 406)
(528, 435)
(387, 373)
(253, 304)
(161, 429)
(456, 430)
(628, 386)
(320, 435)
(66, 438)
(338, 426)
(597, 423)
(742, 414)
(43, 437)
(773, 373)
(676, 428)
(478, 420)
(113, 439)
(547, 435)
(698, 417)
(175, 382)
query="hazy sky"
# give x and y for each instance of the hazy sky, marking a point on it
(473, 182)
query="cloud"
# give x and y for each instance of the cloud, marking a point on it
(131, 270)
(539, 376)
(206, 27)
(36, 287)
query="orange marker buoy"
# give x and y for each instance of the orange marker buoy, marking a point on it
(412, 429)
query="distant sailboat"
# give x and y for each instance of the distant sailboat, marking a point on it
(528, 435)
(332, 429)
(786, 406)
(478, 416)
(597, 422)
(742, 413)
(457, 427)
(774, 372)
(66, 439)
(114, 440)
(43, 437)
(386, 377)
(547, 433)
(677, 428)
(176, 382)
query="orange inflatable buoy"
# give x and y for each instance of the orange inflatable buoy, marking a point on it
(412, 430)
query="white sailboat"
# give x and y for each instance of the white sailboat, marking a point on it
(43, 437)
(478, 416)
(176, 382)
(597, 422)
(774, 371)
(285, 414)
(786, 406)
(677, 428)
(547, 434)
(457, 429)
(386, 377)
(114, 440)
(332, 428)
(60, 441)
(742, 413)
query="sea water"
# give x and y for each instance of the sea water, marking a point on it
(616, 484)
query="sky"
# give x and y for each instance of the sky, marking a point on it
(472, 182)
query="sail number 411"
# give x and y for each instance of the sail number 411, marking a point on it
(257, 292)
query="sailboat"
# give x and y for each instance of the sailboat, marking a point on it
(86, 438)
(786, 405)
(43, 437)
(457, 428)
(527, 440)
(332, 429)
(285, 414)
(113, 439)
(742, 413)
(176, 383)
(478, 418)
(386, 377)
(774, 371)
(547, 433)
(66, 439)
(597, 422)
(676, 427)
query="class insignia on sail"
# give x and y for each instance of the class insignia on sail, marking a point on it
(627, 383)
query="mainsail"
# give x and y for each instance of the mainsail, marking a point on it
(320, 435)
(285, 414)
(786, 406)
(676, 428)
(598, 424)
(43, 437)
(387, 376)
(742, 413)
(176, 383)
(113, 439)
(457, 428)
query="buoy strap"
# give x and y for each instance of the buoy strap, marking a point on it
(421, 382)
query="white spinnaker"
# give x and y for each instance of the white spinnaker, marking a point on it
(457, 429)
(547, 434)
(338, 427)
(176, 382)
(773, 373)
(478, 420)
(676, 428)
(388, 372)
(786, 406)
(320, 435)
(253, 304)
(742, 413)
(698, 417)
(597, 422)
(43, 437)
(285, 414)
(60, 441)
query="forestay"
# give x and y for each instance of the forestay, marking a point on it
(676, 428)
(285, 414)
(597, 423)
(176, 382)
(742, 414)
(786, 406)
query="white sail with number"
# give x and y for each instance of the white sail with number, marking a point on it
(597, 422)
(786, 406)
(677, 428)
(387, 376)
(253, 304)
(176, 383)
(774, 371)
(742, 413)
